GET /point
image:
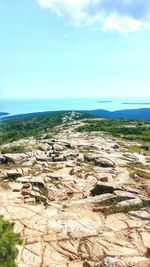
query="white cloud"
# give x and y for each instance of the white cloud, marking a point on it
(119, 15)
(123, 24)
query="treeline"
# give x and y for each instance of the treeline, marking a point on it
(38, 124)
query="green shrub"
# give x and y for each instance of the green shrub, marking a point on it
(8, 242)
(44, 191)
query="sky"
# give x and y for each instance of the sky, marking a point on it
(74, 48)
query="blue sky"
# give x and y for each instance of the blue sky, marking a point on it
(68, 48)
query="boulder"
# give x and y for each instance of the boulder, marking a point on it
(27, 186)
(58, 147)
(59, 159)
(130, 189)
(16, 187)
(105, 163)
(72, 153)
(2, 159)
(12, 174)
(70, 164)
(31, 161)
(87, 264)
(66, 144)
(91, 156)
(44, 147)
(142, 214)
(48, 141)
(16, 157)
(44, 158)
(130, 156)
(109, 261)
(35, 194)
(23, 180)
(130, 202)
(25, 192)
(37, 180)
(102, 188)
(116, 146)
(3, 174)
(98, 160)
(124, 194)
(75, 170)
(146, 238)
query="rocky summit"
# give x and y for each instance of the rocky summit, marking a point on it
(77, 199)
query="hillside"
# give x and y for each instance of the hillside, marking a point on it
(3, 114)
(77, 189)
(21, 126)
(131, 114)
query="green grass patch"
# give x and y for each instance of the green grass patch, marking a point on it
(134, 149)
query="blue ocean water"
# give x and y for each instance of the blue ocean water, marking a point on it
(23, 106)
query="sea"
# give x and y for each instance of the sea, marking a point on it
(24, 106)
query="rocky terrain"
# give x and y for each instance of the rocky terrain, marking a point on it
(77, 200)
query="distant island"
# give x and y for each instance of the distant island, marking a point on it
(3, 114)
(104, 101)
(135, 103)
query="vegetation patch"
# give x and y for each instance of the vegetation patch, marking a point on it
(133, 149)
(8, 242)
(125, 209)
(110, 206)
(35, 125)
(127, 129)
(139, 169)
(88, 167)
(140, 148)
(142, 174)
(108, 202)
(44, 191)
(13, 149)
(89, 148)
(138, 165)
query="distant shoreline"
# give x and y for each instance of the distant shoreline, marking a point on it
(4, 114)
(131, 114)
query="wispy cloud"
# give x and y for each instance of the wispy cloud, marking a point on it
(119, 15)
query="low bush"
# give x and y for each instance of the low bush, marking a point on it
(8, 242)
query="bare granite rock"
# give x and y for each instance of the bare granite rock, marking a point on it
(75, 203)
